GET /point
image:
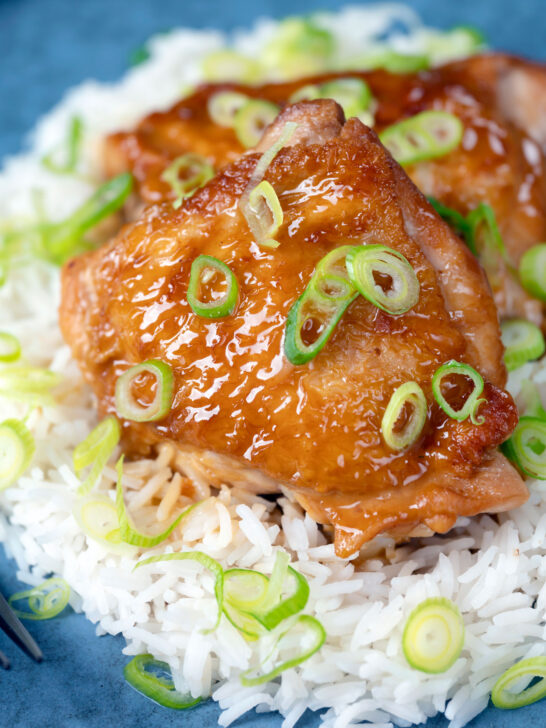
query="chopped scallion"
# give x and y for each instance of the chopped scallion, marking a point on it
(16, 451)
(153, 679)
(224, 105)
(264, 214)
(228, 65)
(472, 403)
(507, 692)
(44, 601)
(187, 174)
(207, 273)
(95, 450)
(352, 94)
(28, 384)
(433, 635)
(425, 136)
(127, 405)
(69, 151)
(10, 348)
(523, 341)
(97, 516)
(251, 120)
(532, 271)
(527, 447)
(408, 396)
(299, 47)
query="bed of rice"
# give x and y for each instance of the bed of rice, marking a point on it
(494, 569)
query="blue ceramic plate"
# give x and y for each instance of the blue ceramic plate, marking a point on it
(46, 46)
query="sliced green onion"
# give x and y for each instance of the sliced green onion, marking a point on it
(251, 120)
(314, 316)
(263, 213)
(97, 517)
(458, 42)
(485, 239)
(139, 55)
(523, 341)
(299, 47)
(313, 633)
(228, 65)
(472, 403)
(206, 561)
(129, 408)
(128, 533)
(16, 451)
(391, 61)
(457, 221)
(224, 105)
(244, 591)
(153, 679)
(365, 263)
(408, 395)
(70, 151)
(287, 607)
(352, 94)
(532, 271)
(61, 240)
(531, 399)
(28, 384)
(96, 450)
(433, 636)
(44, 601)
(209, 271)
(527, 447)
(427, 135)
(187, 174)
(267, 157)
(10, 348)
(502, 696)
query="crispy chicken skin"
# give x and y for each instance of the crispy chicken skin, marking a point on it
(500, 100)
(240, 408)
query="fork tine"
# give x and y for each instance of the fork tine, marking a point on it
(17, 632)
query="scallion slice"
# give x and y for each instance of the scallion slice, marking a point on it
(244, 591)
(129, 408)
(427, 135)
(271, 617)
(457, 221)
(128, 533)
(352, 94)
(391, 61)
(532, 271)
(28, 384)
(531, 400)
(472, 403)
(299, 47)
(16, 451)
(527, 447)
(310, 634)
(96, 450)
(207, 273)
(384, 277)
(224, 105)
(263, 213)
(207, 561)
(228, 65)
(97, 516)
(524, 671)
(44, 601)
(433, 635)
(153, 679)
(10, 348)
(485, 240)
(314, 316)
(251, 120)
(69, 151)
(408, 396)
(186, 174)
(523, 341)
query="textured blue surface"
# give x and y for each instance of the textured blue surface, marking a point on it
(46, 46)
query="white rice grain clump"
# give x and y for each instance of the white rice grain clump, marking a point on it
(494, 569)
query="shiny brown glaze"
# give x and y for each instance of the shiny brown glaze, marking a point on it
(499, 161)
(314, 428)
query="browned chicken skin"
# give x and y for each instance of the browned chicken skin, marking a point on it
(240, 407)
(500, 160)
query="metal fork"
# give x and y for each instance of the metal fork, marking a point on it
(18, 633)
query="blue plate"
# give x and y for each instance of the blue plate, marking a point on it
(46, 47)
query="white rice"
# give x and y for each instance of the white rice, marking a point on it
(494, 569)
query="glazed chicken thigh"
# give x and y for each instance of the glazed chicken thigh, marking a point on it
(500, 160)
(241, 409)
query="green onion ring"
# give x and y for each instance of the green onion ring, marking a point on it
(523, 341)
(16, 451)
(153, 678)
(364, 261)
(527, 447)
(196, 171)
(44, 601)
(10, 347)
(96, 450)
(407, 393)
(532, 271)
(433, 635)
(472, 403)
(228, 65)
(455, 220)
(203, 270)
(485, 239)
(224, 105)
(204, 560)
(531, 400)
(28, 384)
(126, 405)
(503, 697)
(97, 517)
(244, 590)
(427, 135)
(262, 204)
(352, 94)
(251, 120)
(72, 150)
(313, 628)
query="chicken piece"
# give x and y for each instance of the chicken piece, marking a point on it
(241, 410)
(499, 161)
